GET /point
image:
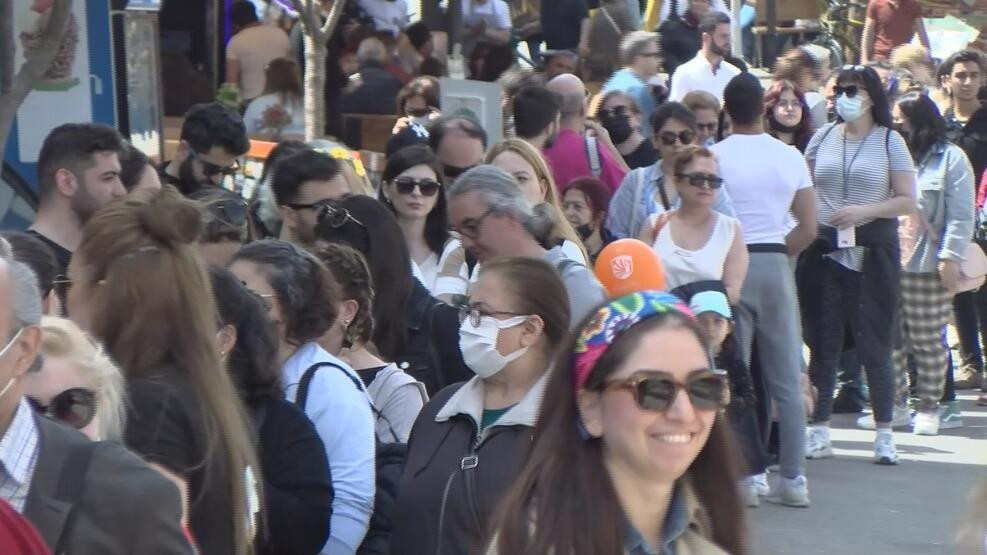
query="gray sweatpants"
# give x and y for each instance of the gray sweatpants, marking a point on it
(769, 311)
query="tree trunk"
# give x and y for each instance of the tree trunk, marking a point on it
(315, 87)
(34, 67)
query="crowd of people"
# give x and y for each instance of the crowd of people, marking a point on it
(429, 363)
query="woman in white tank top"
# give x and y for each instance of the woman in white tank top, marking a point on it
(695, 242)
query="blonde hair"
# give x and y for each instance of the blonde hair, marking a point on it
(561, 228)
(61, 338)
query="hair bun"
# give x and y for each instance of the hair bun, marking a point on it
(170, 218)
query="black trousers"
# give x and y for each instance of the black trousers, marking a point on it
(970, 310)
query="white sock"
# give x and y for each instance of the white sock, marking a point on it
(822, 430)
(886, 431)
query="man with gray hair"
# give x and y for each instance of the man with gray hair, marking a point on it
(373, 90)
(82, 496)
(488, 210)
(641, 55)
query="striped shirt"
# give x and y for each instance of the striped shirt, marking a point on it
(18, 456)
(852, 172)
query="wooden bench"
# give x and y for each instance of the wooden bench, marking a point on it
(367, 131)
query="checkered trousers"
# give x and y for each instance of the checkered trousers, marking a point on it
(925, 308)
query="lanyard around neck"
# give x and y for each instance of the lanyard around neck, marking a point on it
(847, 167)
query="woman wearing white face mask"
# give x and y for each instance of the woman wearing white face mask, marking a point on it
(849, 278)
(471, 439)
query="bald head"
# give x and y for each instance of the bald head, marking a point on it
(573, 93)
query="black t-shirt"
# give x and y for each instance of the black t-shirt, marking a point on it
(62, 255)
(560, 22)
(643, 156)
(165, 426)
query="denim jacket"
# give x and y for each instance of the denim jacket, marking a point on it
(945, 190)
(625, 218)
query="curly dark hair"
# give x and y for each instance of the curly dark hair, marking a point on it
(212, 124)
(353, 276)
(304, 287)
(253, 362)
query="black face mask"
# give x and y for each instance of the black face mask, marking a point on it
(619, 127)
(777, 125)
(584, 231)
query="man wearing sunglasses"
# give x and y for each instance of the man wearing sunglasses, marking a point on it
(82, 496)
(304, 182)
(213, 138)
(459, 142)
(78, 173)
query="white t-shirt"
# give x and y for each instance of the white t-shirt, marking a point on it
(697, 75)
(388, 15)
(253, 48)
(495, 12)
(762, 192)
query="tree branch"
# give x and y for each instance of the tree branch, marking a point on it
(304, 15)
(330, 25)
(8, 49)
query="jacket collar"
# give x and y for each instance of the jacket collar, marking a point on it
(45, 511)
(468, 401)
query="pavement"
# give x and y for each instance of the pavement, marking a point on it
(862, 508)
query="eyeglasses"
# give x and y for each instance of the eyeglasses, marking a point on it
(406, 186)
(656, 391)
(336, 217)
(708, 128)
(668, 138)
(471, 227)
(475, 314)
(452, 172)
(210, 169)
(849, 90)
(75, 407)
(699, 179)
(233, 212)
(61, 284)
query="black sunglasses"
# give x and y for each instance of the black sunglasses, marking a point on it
(419, 113)
(336, 217)
(699, 179)
(849, 90)
(453, 172)
(656, 391)
(406, 186)
(210, 169)
(685, 137)
(75, 407)
(233, 212)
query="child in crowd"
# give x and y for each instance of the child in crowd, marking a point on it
(713, 312)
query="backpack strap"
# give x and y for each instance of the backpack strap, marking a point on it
(301, 395)
(592, 154)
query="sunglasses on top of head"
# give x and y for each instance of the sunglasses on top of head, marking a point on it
(75, 407)
(656, 391)
(336, 216)
(233, 212)
(406, 185)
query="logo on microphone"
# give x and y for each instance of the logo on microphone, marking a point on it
(622, 266)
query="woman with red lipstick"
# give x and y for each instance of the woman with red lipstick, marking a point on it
(700, 248)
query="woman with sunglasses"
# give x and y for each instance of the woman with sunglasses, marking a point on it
(411, 188)
(849, 278)
(78, 384)
(647, 191)
(518, 158)
(933, 243)
(301, 300)
(411, 327)
(632, 452)
(786, 114)
(696, 244)
(139, 286)
(471, 439)
(297, 485)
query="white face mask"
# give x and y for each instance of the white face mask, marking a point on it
(479, 344)
(850, 109)
(3, 351)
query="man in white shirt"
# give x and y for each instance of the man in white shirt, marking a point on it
(251, 49)
(766, 193)
(388, 15)
(708, 71)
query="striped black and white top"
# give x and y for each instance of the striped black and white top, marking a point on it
(849, 172)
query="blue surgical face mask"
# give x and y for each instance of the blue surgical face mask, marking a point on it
(851, 109)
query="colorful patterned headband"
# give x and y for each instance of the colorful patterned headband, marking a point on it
(612, 320)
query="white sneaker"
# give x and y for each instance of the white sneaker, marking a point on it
(884, 450)
(950, 416)
(793, 492)
(761, 482)
(748, 492)
(926, 424)
(899, 419)
(818, 445)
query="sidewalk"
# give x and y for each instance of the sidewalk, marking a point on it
(862, 508)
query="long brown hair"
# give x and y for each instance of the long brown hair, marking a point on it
(563, 501)
(154, 310)
(283, 77)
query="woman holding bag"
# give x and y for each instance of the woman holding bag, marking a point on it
(933, 245)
